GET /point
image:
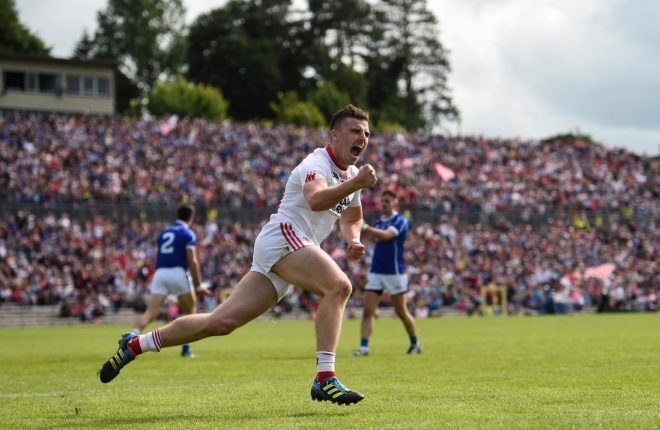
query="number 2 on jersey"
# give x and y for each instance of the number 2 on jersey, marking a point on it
(166, 247)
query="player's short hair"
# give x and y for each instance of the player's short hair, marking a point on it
(348, 111)
(390, 193)
(185, 213)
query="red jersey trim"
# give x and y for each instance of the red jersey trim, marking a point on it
(334, 160)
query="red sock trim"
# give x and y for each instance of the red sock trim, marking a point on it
(134, 345)
(158, 343)
(322, 376)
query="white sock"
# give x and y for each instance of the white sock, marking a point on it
(325, 361)
(136, 331)
(151, 341)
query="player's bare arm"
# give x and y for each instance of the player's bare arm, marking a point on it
(350, 223)
(321, 197)
(378, 234)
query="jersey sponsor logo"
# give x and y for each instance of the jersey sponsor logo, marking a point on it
(342, 205)
(340, 178)
(310, 176)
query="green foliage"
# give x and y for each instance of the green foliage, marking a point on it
(341, 32)
(388, 126)
(346, 26)
(291, 110)
(146, 38)
(187, 100)
(350, 81)
(328, 99)
(386, 55)
(568, 138)
(552, 372)
(126, 90)
(413, 59)
(84, 47)
(247, 49)
(14, 36)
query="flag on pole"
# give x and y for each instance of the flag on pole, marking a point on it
(444, 172)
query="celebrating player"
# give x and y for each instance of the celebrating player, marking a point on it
(387, 272)
(323, 188)
(177, 271)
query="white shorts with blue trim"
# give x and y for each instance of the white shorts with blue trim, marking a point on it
(275, 241)
(392, 284)
(171, 280)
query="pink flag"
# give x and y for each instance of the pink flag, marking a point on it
(168, 125)
(408, 163)
(604, 271)
(444, 172)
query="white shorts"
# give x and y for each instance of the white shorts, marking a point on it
(393, 284)
(275, 241)
(171, 280)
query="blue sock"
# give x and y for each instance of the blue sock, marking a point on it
(364, 343)
(185, 349)
(413, 340)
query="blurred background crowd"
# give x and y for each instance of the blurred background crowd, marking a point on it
(73, 159)
(83, 198)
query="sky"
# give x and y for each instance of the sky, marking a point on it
(520, 68)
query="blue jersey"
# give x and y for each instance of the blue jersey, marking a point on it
(388, 254)
(172, 244)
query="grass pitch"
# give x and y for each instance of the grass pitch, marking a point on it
(586, 371)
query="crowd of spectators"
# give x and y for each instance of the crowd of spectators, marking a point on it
(98, 266)
(59, 158)
(93, 265)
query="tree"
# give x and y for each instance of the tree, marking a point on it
(15, 37)
(126, 90)
(415, 57)
(145, 37)
(344, 26)
(248, 50)
(289, 109)
(328, 99)
(85, 46)
(340, 34)
(186, 100)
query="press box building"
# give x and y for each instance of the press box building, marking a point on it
(39, 83)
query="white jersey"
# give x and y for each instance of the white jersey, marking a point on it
(320, 164)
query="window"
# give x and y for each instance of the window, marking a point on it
(15, 81)
(73, 84)
(31, 80)
(103, 85)
(88, 86)
(77, 85)
(48, 83)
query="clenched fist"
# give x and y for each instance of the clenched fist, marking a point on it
(366, 176)
(355, 250)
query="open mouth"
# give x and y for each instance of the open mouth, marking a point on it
(356, 150)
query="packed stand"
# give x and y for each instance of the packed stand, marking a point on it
(96, 266)
(93, 267)
(68, 159)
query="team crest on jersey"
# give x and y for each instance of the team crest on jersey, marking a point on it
(310, 176)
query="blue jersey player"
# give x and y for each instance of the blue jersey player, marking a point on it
(387, 272)
(177, 271)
